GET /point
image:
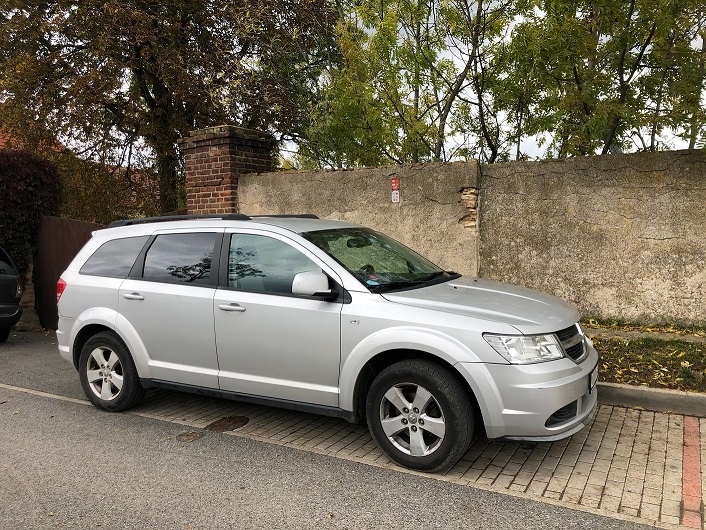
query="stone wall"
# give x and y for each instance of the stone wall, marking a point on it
(620, 236)
(436, 215)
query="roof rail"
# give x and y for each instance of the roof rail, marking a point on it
(290, 216)
(143, 220)
(225, 217)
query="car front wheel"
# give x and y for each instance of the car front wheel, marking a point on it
(420, 415)
(108, 374)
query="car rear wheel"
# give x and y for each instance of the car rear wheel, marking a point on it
(4, 334)
(108, 374)
(420, 415)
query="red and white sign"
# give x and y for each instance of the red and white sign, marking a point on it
(395, 183)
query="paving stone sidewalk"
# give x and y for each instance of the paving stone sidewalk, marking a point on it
(643, 466)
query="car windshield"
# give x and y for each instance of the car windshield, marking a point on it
(378, 261)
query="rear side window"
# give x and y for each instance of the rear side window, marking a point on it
(114, 258)
(183, 258)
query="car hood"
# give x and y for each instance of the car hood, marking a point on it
(526, 310)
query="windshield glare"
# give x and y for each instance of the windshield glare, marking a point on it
(378, 261)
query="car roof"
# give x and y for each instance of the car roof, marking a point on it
(302, 224)
(294, 223)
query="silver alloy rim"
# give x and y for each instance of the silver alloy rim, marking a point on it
(412, 419)
(104, 373)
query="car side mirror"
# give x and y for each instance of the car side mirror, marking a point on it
(313, 283)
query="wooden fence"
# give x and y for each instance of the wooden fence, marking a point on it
(59, 241)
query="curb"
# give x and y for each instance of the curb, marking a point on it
(654, 399)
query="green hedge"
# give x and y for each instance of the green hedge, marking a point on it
(30, 187)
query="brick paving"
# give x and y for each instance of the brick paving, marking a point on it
(644, 466)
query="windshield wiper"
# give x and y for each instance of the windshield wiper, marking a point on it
(447, 275)
(397, 284)
(433, 276)
(404, 284)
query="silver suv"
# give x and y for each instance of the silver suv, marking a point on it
(327, 317)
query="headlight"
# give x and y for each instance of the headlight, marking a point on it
(526, 349)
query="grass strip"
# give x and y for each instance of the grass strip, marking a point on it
(620, 325)
(671, 364)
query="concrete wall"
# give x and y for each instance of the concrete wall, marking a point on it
(436, 214)
(620, 236)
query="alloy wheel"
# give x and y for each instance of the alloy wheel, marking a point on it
(412, 419)
(104, 373)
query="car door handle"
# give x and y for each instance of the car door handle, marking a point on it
(231, 307)
(133, 296)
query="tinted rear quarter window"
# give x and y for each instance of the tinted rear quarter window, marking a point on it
(183, 258)
(114, 258)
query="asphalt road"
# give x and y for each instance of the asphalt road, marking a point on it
(67, 465)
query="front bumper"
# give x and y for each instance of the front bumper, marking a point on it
(538, 402)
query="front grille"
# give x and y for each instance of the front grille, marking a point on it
(567, 333)
(563, 414)
(572, 342)
(575, 351)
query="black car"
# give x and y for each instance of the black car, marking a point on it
(10, 294)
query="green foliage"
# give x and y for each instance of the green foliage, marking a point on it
(353, 82)
(347, 125)
(31, 187)
(444, 79)
(101, 194)
(418, 80)
(374, 106)
(607, 75)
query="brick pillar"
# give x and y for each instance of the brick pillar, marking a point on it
(215, 158)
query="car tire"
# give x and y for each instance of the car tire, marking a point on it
(108, 374)
(4, 334)
(420, 415)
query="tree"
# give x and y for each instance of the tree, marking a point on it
(605, 72)
(414, 77)
(377, 101)
(113, 78)
(478, 35)
(31, 188)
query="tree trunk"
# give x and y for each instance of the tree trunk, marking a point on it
(167, 167)
(694, 125)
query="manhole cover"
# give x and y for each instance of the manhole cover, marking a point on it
(228, 424)
(189, 436)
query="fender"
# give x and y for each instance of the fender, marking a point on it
(111, 319)
(399, 338)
